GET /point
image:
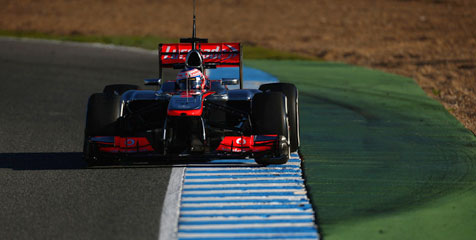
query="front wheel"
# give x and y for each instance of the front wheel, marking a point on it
(101, 120)
(268, 117)
(292, 95)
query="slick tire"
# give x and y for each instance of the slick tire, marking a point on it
(102, 114)
(268, 116)
(101, 120)
(292, 95)
(118, 89)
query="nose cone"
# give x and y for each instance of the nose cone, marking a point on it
(185, 105)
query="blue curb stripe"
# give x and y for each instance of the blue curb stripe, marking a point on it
(246, 222)
(263, 215)
(242, 207)
(247, 194)
(242, 176)
(211, 237)
(245, 202)
(257, 166)
(241, 188)
(252, 230)
(245, 171)
(245, 182)
(301, 200)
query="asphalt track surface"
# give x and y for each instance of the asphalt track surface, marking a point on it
(45, 191)
(390, 163)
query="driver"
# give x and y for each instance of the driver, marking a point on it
(195, 78)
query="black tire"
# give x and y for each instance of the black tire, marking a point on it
(102, 114)
(119, 89)
(268, 116)
(292, 95)
(101, 120)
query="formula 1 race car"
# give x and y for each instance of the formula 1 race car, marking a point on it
(193, 116)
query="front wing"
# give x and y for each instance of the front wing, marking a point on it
(229, 145)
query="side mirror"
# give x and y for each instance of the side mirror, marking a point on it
(152, 82)
(230, 81)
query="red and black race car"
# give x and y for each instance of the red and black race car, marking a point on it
(192, 115)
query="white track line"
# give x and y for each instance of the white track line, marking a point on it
(171, 206)
(191, 210)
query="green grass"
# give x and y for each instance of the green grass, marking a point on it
(151, 42)
(382, 159)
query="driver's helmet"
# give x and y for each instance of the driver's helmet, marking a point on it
(195, 78)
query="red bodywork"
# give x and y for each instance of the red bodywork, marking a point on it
(222, 54)
(218, 54)
(123, 144)
(192, 112)
(229, 144)
(247, 144)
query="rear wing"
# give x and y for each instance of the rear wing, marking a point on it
(173, 55)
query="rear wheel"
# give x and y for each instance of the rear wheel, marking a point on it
(118, 89)
(268, 117)
(291, 93)
(101, 120)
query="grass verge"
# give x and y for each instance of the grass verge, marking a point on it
(382, 159)
(151, 42)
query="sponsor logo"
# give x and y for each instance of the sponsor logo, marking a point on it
(130, 142)
(209, 52)
(240, 141)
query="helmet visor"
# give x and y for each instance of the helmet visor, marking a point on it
(193, 83)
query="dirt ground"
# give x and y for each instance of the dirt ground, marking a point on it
(432, 41)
